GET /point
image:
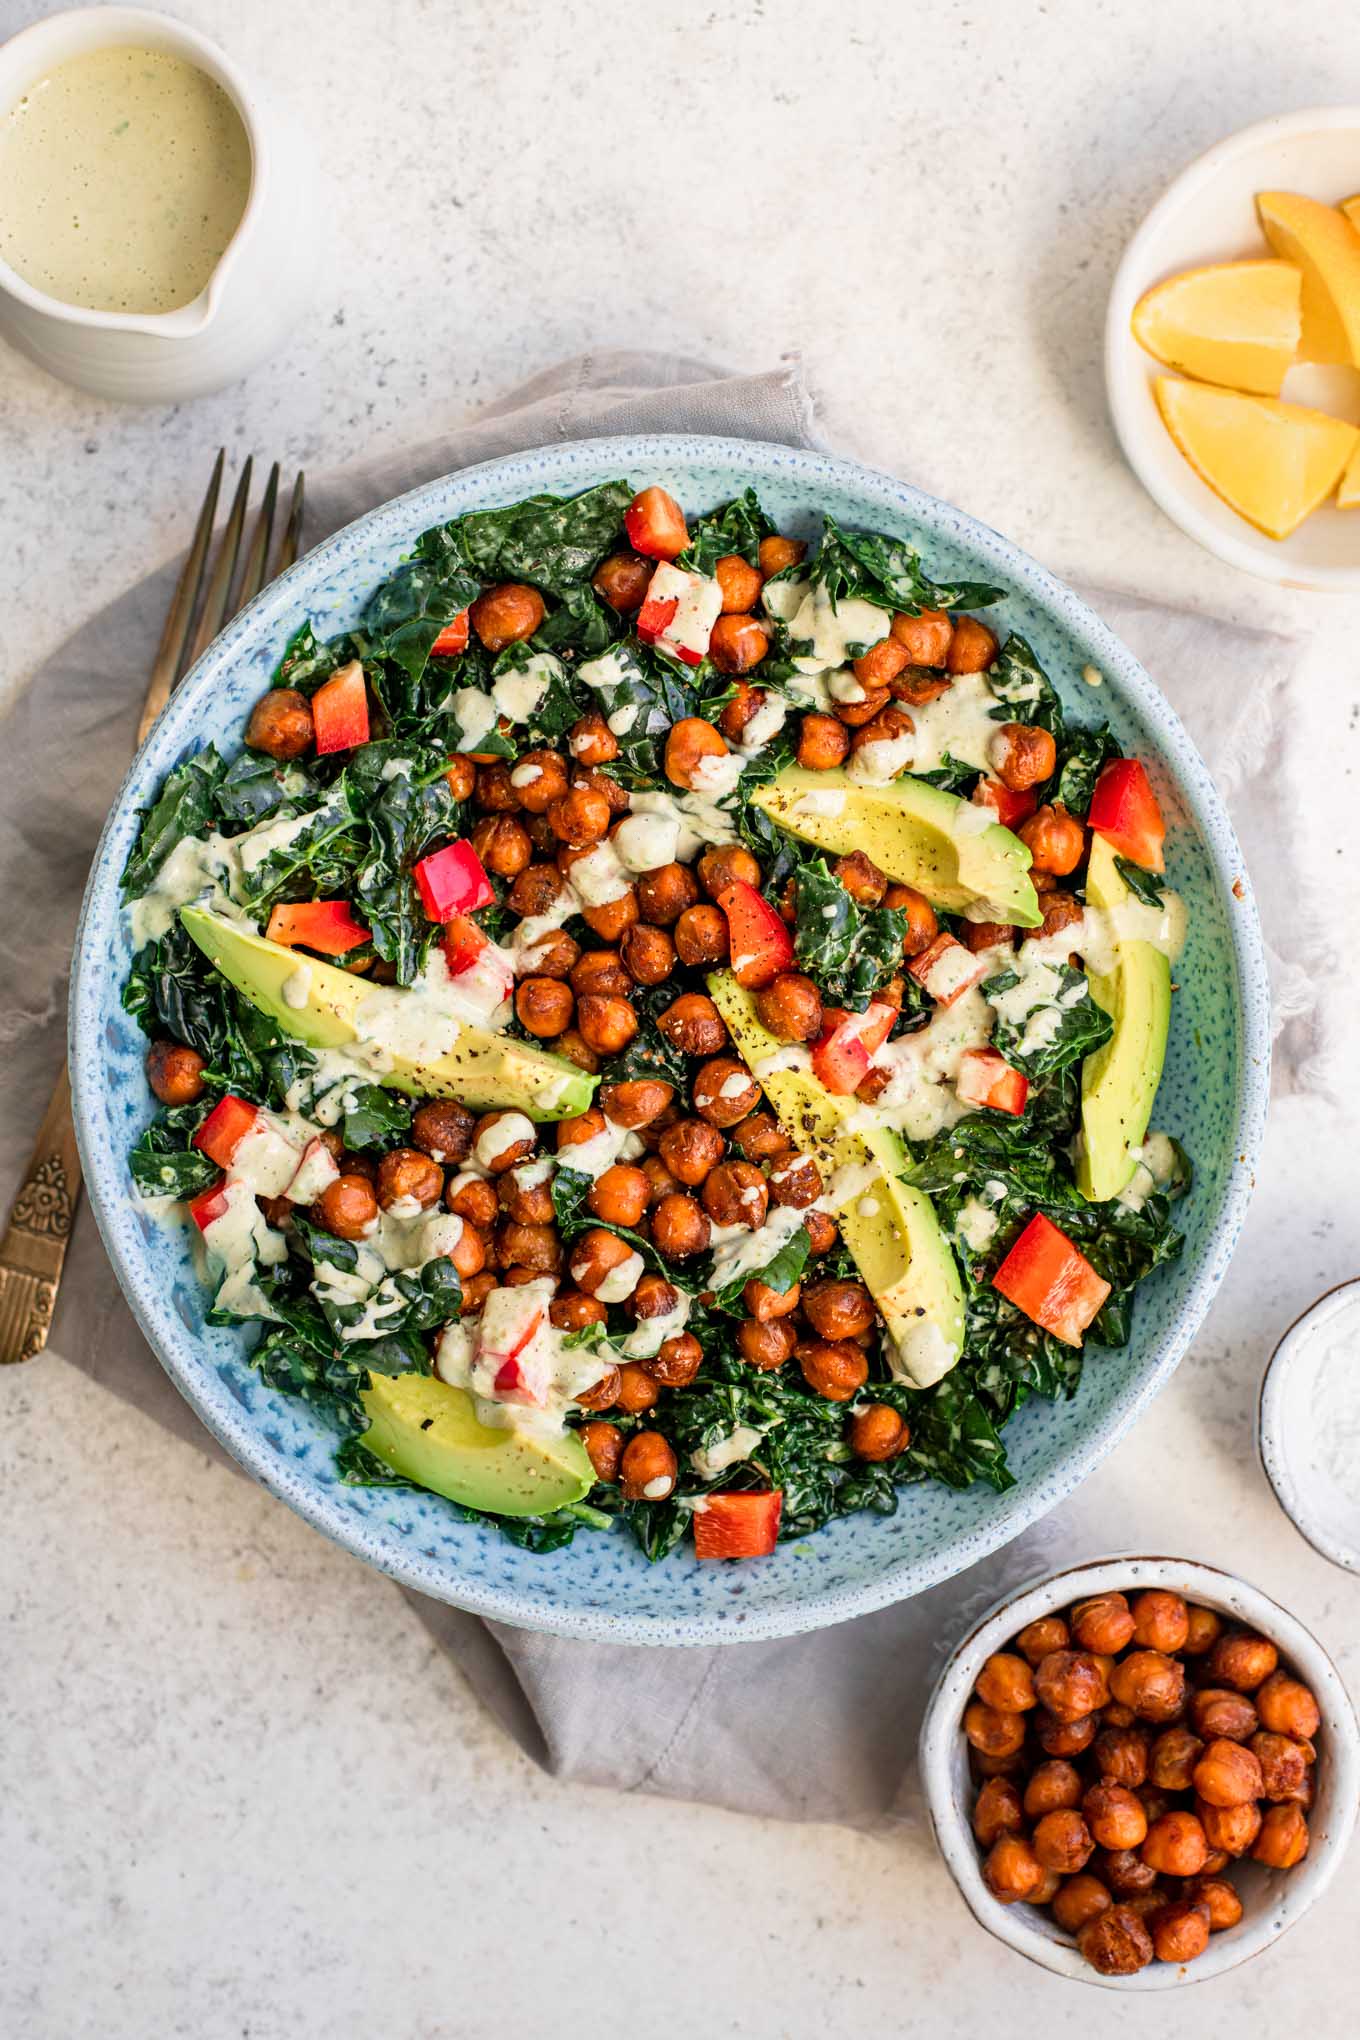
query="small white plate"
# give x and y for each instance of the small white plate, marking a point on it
(1209, 215)
(1294, 1416)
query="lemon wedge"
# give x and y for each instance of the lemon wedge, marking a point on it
(1232, 322)
(1348, 495)
(1351, 208)
(1326, 247)
(1271, 462)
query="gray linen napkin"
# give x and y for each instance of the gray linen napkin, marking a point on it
(818, 1727)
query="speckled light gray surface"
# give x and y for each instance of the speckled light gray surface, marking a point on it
(224, 1742)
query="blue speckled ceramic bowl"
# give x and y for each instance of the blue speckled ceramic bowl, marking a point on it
(1213, 1095)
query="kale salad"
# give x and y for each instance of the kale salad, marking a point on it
(659, 1025)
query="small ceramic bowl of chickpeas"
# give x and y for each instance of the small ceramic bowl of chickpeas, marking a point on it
(1140, 1771)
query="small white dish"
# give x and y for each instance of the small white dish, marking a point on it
(1209, 215)
(1272, 1900)
(1297, 1418)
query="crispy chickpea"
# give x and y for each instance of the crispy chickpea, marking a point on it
(1173, 1758)
(1242, 1661)
(1056, 840)
(174, 1072)
(607, 1025)
(690, 1149)
(1116, 1817)
(470, 1254)
(1102, 1624)
(922, 926)
(544, 1006)
(495, 793)
(839, 1309)
(760, 1137)
(1230, 1828)
(1283, 1762)
(599, 973)
(1063, 1738)
(996, 1812)
(1079, 1899)
(476, 1291)
(555, 955)
(653, 1297)
(495, 1138)
(622, 581)
(1215, 1711)
(1125, 1872)
(1225, 1907)
(766, 1345)
(1062, 1841)
(1287, 1707)
(474, 1200)
(877, 1433)
(690, 741)
(1114, 1942)
(1160, 1618)
(1007, 1683)
(677, 1361)
(666, 893)
(635, 1102)
(724, 1091)
(735, 1193)
(604, 1448)
(767, 1304)
(1022, 756)
(647, 1469)
(1052, 1785)
(790, 1007)
(460, 775)
(594, 1258)
(1215, 1863)
(854, 714)
(619, 1195)
(539, 778)
(1228, 1774)
(584, 1127)
(591, 741)
(1121, 1756)
(280, 724)
(736, 645)
(823, 743)
(1071, 1684)
(1180, 1931)
(571, 1310)
(740, 584)
(648, 954)
(778, 554)
(579, 817)
(881, 664)
(693, 1025)
(348, 1208)
(926, 638)
(536, 890)
(724, 864)
(534, 1247)
(972, 649)
(701, 936)
(638, 1390)
(1176, 1845)
(602, 1393)
(1151, 1684)
(506, 614)
(407, 1175)
(680, 1227)
(890, 723)
(503, 845)
(1046, 1633)
(660, 1181)
(796, 1182)
(1116, 1716)
(918, 685)
(1204, 1626)
(822, 1232)
(1012, 1871)
(836, 1369)
(1283, 1840)
(861, 878)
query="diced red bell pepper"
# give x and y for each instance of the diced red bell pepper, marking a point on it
(847, 1044)
(679, 613)
(514, 1381)
(947, 970)
(986, 1078)
(463, 944)
(452, 638)
(761, 945)
(324, 925)
(1009, 808)
(738, 1526)
(655, 524)
(653, 617)
(1044, 1276)
(225, 1127)
(452, 881)
(209, 1205)
(340, 711)
(1124, 809)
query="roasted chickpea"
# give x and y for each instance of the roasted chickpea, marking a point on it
(1160, 1618)
(1121, 1756)
(579, 817)
(861, 878)
(533, 1247)
(348, 1208)
(586, 1126)
(571, 1310)
(1175, 1845)
(1116, 1716)
(1063, 1738)
(724, 864)
(778, 554)
(877, 1432)
(607, 1025)
(604, 1447)
(922, 926)
(175, 1072)
(660, 1181)
(724, 1091)
(677, 1361)
(1287, 1707)
(1115, 1942)
(536, 890)
(918, 685)
(1180, 1931)
(689, 743)
(1125, 1872)
(926, 638)
(619, 1195)
(1151, 1684)
(647, 1469)
(1062, 1841)
(760, 1137)
(1283, 1764)
(1046, 1633)
(1230, 1828)
(1012, 1871)
(622, 581)
(406, 1176)
(460, 776)
(740, 583)
(591, 741)
(736, 645)
(690, 1149)
(1116, 1817)
(735, 1193)
(881, 664)
(1225, 1907)
(1283, 1840)
(595, 1257)
(680, 1227)
(1056, 840)
(766, 1304)
(635, 1102)
(996, 1812)
(475, 1292)
(653, 1297)
(1006, 1683)
(470, 1253)
(795, 1181)
(648, 954)
(1071, 1685)
(1102, 1624)
(498, 1144)
(1242, 1660)
(838, 1309)
(544, 1006)
(767, 1345)
(666, 893)
(503, 845)
(1022, 756)
(1204, 1626)
(694, 1025)
(1228, 1774)
(638, 1390)
(495, 793)
(1215, 1711)
(473, 1199)
(1173, 1758)
(823, 743)
(1080, 1899)
(790, 1007)
(836, 1369)
(506, 614)
(598, 973)
(1215, 1863)
(972, 649)
(891, 723)
(539, 778)
(280, 724)
(854, 714)
(1052, 1785)
(701, 936)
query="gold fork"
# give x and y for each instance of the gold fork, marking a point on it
(34, 1244)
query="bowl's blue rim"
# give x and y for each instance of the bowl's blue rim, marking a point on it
(1021, 1506)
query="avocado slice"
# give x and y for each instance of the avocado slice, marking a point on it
(428, 1431)
(919, 834)
(890, 1228)
(483, 1069)
(1119, 1082)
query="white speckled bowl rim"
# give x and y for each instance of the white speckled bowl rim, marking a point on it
(1273, 1901)
(601, 1587)
(1272, 1421)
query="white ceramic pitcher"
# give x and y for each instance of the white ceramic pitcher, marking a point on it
(262, 283)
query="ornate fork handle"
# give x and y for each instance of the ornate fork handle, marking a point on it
(34, 1244)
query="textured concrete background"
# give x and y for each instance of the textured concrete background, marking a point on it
(239, 1796)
